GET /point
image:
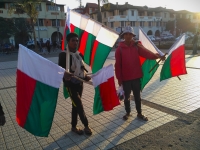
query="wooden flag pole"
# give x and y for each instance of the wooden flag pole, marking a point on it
(156, 63)
(178, 77)
(76, 77)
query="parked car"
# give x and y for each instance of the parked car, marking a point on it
(30, 44)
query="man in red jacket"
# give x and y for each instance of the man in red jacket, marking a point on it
(128, 69)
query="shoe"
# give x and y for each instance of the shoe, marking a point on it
(142, 117)
(77, 130)
(125, 117)
(88, 131)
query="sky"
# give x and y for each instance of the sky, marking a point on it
(190, 5)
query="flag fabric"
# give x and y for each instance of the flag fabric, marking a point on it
(87, 40)
(75, 23)
(147, 64)
(37, 85)
(105, 98)
(102, 46)
(174, 65)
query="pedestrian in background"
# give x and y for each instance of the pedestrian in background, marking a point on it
(2, 117)
(195, 43)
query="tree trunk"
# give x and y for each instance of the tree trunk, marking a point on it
(99, 16)
(34, 36)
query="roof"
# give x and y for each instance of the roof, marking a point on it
(91, 5)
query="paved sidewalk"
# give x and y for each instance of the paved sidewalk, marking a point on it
(109, 130)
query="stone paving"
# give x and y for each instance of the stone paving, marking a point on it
(108, 127)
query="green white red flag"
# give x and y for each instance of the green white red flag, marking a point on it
(87, 40)
(105, 98)
(174, 65)
(75, 23)
(102, 46)
(147, 64)
(37, 85)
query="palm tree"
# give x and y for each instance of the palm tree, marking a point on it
(30, 7)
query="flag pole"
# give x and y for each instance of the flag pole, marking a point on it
(76, 77)
(156, 63)
(178, 77)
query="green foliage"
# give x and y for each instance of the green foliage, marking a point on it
(182, 25)
(7, 29)
(23, 31)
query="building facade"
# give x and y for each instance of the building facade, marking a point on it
(50, 24)
(152, 20)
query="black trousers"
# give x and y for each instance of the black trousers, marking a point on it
(1, 110)
(128, 86)
(75, 92)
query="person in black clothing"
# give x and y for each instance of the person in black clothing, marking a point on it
(2, 117)
(74, 86)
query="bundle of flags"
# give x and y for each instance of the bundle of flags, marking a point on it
(96, 41)
(147, 64)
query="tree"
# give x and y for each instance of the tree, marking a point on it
(7, 29)
(182, 25)
(30, 7)
(23, 30)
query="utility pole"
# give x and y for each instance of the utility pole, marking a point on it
(57, 23)
(38, 32)
(174, 25)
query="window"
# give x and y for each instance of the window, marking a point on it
(157, 24)
(111, 25)
(90, 10)
(150, 24)
(122, 23)
(40, 22)
(165, 15)
(121, 13)
(104, 14)
(141, 23)
(54, 22)
(133, 23)
(53, 8)
(38, 7)
(132, 12)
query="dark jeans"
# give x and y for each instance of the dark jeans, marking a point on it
(194, 48)
(1, 110)
(128, 86)
(75, 92)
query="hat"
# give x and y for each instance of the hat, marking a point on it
(128, 29)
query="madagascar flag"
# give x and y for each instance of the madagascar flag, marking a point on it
(147, 64)
(75, 23)
(87, 40)
(37, 84)
(105, 98)
(175, 63)
(101, 48)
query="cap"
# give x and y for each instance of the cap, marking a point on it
(128, 29)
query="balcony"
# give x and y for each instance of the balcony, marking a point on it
(117, 18)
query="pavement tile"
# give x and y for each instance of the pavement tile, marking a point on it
(109, 129)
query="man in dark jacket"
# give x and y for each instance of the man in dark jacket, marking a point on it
(2, 117)
(74, 87)
(128, 69)
(195, 43)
